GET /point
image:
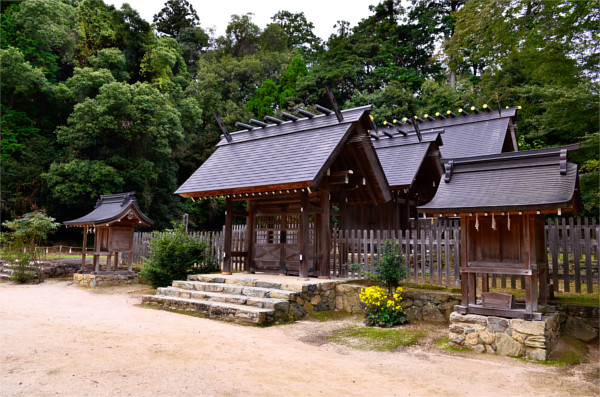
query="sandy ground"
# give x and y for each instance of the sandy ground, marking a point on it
(57, 339)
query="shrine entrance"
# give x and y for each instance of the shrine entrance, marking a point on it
(276, 240)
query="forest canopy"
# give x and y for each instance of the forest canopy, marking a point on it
(96, 100)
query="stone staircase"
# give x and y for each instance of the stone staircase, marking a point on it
(241, 300)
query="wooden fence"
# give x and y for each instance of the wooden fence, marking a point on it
(432, 252)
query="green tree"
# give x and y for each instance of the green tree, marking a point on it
(288, 81)
(164, 65)
(298, 30)
(175, 16)
(44, 33)
(97, 25)
(28, 231)
(113, 60)
(265, 100)
(132, 129)
(241, 35)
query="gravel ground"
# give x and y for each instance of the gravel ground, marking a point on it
(57, 339)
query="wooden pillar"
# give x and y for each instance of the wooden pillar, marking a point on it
(464, 284)
(130, 261)
(84, 248)
(108, 262)
(304, 235)
(228, 235)
(282, 244)
(325, 238)
(116, 264)
(249, 260)
(343, 210)
(527, 260)
(97, 250)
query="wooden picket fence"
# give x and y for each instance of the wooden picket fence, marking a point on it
(432, 252)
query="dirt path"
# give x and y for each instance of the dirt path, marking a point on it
(56, 339)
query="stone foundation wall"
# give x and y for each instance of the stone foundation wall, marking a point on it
(104, 280)
(318, 297)
(505, 336)
(418, 305)
(580, 322)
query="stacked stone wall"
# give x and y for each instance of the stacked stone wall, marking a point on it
(505, 336)
(104, 280)
(418, 305)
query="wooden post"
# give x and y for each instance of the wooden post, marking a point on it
(130, 262)
(464, 284)
(282, 244)
(228, 235)
(303, 271)
(83, 250)
(527, 259)
(324, 268)
(248, 261)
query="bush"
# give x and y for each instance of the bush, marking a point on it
(29, 231)
(383, 310)
(173, 255)
(389, 268)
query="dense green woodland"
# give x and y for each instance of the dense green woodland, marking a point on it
(96, 100)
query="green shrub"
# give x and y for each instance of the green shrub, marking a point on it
(29, 231)
(389, 268)
(173, 255)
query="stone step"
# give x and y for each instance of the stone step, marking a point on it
(212, 309)
(246, 282)
(237, 289)
(276, 304)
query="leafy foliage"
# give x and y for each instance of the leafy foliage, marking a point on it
(173, 255)
(389, 268)
(87, 88)
(28, 231)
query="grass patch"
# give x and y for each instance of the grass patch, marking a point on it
(577, 299)
(331, 316)
(377, 339)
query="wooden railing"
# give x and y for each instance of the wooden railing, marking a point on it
(432, 252)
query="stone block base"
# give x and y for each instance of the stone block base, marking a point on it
(505, 336)
(104, 280)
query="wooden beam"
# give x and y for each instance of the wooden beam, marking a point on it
(314, 209)
(376, 168)
(228, 235)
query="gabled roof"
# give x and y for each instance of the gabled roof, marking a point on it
(402, 156)
(112, 208)
(474, 134)
(531, 180)
(290, 155)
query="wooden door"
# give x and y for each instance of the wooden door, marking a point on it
(277, 241)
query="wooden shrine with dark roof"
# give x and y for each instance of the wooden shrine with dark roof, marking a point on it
(502, 200)
(112, 221)
(291, 172)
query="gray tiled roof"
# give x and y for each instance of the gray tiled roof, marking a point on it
(110, 208)
(471, 135)
(402, 156)
(510, 181)
(291, 153)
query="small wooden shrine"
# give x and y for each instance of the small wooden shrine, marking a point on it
(502, 200)
(294, 174)
(112, 221)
